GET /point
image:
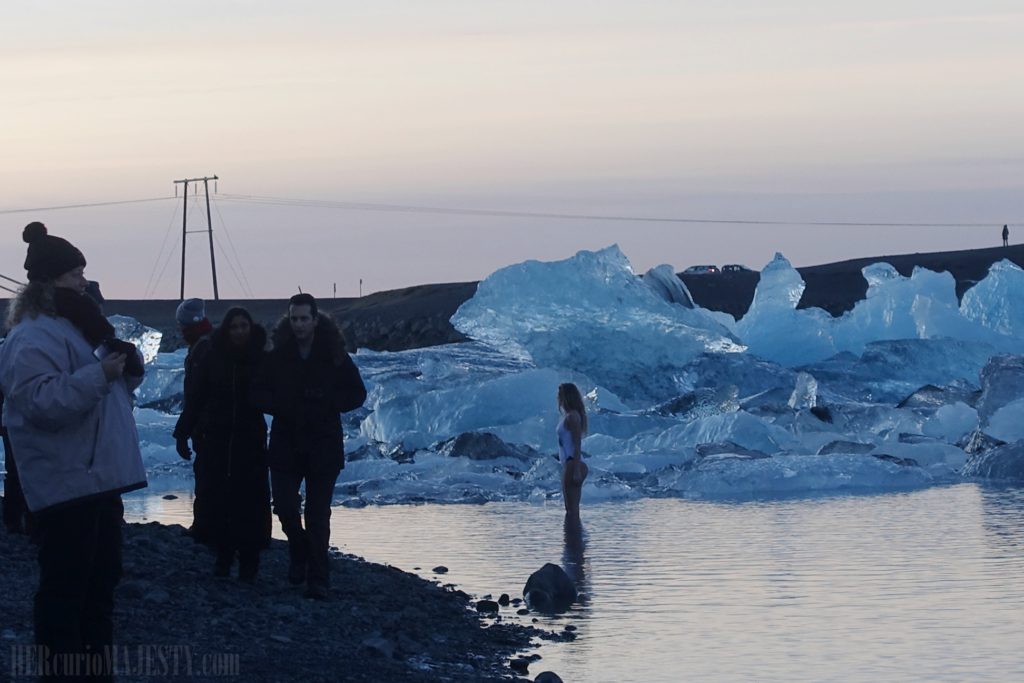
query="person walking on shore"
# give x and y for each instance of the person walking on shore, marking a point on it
(570, 433)
(306, 382)
(234, 442)
(68, 380)
(195, 329)
(1006, 236)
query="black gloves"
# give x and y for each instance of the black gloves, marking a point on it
(133, 360)
(181, 445)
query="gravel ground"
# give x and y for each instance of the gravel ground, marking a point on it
(175, 621)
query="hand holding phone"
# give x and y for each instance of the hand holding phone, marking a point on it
(113, 366)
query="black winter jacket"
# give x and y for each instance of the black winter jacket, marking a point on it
(218, 396)
(193, 359)
(307, 396)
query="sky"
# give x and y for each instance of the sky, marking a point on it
(900, 111)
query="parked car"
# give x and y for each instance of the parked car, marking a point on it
(700, 270)
(735, 268)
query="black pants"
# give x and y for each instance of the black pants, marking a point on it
(309, 544)
(17, 518)
(203, 512)
(79, 567)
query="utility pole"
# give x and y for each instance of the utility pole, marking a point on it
(209, 230)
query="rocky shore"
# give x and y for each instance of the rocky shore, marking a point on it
(175, 621)
(416, 317)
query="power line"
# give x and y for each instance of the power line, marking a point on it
(84, 206)
(159, 255)
(457, 211)
(405, 208)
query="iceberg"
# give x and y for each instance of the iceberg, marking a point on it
(908, 389)
(996, 304)
(145, 338)
(666, 284)
(774, 329)
(591, 315)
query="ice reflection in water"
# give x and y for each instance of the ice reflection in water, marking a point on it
(912, 586)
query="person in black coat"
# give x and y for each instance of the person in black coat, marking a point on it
(196, 330)
(306, 382)
(234, 460)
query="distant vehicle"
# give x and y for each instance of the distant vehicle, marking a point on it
(735, 268)
(701, 270)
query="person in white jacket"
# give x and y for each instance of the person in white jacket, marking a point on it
(68, 382)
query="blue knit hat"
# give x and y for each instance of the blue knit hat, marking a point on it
(190, 311)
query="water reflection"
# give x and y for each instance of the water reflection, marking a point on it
(1003, 516)
(573, 560)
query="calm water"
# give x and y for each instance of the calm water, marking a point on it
(921, 586)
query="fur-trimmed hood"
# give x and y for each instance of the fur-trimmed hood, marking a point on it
(328, 337)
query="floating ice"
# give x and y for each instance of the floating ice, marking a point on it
(1007, 423)
(952, 422)
(773, 328)
(923, 306)
(894, 394)
(163, 387)
(145, 338)
(1005, 463)
(666, 284)
(996, 302)
(590, 314)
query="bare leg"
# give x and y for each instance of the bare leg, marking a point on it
(573, 475)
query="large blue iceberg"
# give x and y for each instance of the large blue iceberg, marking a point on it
(908, 389)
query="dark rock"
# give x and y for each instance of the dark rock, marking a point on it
(504, 600)
(547, 677)
(549, 590)
(489, 606)
(822, 413)
(440, 569)
(910, 437)
(522, 611)
(841, 446)
(520, 665)
(170, 496)
(906, 462)
(481, 446)
(706, 450)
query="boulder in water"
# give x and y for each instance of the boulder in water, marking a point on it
(549, 590)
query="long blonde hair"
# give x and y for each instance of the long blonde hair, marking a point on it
(32, 300)
(569, 398)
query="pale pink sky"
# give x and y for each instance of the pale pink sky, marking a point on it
(887, 111)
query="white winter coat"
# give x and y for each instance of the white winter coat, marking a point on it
(72, 431)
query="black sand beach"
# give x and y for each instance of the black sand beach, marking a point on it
(175, 621)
